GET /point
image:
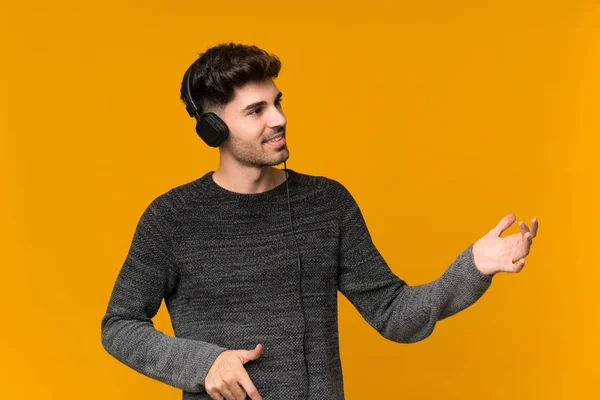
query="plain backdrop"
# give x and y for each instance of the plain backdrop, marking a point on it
(439, 116)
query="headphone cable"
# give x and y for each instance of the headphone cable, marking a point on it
(287, 187)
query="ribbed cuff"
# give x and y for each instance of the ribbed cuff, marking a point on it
(205, 358)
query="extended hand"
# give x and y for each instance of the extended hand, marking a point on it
(227, 378)
(494, 254)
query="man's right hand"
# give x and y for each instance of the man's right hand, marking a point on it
(227, 378)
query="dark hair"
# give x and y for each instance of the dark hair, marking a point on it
(222, 68)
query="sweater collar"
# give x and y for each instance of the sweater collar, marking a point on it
(209, 184)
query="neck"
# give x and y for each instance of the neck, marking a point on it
(241, 179)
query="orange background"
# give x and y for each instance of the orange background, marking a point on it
(439, 116)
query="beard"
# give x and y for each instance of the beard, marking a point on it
(257, 155)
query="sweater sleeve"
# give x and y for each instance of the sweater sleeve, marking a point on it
(399, 312)
(146, 277)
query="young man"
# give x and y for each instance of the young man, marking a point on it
(249, 259)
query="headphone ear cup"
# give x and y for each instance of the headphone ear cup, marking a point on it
(212, 129)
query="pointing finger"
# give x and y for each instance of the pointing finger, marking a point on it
(246, 383)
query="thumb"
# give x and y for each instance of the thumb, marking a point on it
(251, 355)
(503, 225)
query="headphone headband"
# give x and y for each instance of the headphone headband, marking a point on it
(190, 105)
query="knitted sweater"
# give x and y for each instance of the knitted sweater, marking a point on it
(226, 265)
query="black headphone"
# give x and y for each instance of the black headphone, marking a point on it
(212, 129)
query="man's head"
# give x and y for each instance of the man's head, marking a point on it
(236, 82)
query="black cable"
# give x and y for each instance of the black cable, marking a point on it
(287, 187)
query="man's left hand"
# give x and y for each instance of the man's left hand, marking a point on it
(494, 254)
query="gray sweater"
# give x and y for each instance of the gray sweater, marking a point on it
(226, 265)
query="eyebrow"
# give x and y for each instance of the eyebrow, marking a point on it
(260, 103)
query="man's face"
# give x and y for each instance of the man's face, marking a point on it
(256, 125)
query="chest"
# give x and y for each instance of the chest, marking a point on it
(249, 252)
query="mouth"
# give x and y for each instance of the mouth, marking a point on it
(277, 140)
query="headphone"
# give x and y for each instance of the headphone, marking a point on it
(212, 129)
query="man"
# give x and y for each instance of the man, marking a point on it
(249, 258)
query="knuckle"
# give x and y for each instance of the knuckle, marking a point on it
(213, 393)
(229, 377)
(240, 370)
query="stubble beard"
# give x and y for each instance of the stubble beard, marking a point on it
(250, 156)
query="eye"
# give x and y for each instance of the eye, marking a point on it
(257, 111)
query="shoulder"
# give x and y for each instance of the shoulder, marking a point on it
(175, 200)
(315, 182)
(324, 186)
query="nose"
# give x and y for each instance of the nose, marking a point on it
(276, 118)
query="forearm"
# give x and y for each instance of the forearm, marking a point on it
(148, 275)
(179, 362)
(461, 285)
(411, 315)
